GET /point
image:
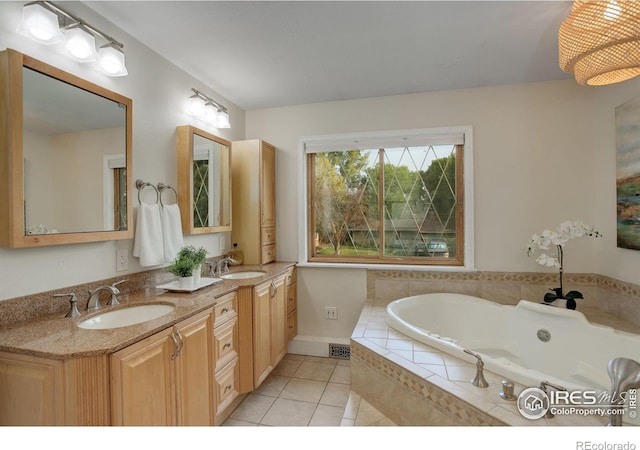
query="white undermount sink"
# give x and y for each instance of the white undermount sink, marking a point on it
(126, 316)
(242, 275)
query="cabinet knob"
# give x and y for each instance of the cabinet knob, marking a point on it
(227, 345)
(227, 387)
(225, 310)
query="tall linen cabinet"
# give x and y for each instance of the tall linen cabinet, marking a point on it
(253, 178)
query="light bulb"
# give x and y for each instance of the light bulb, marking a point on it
(210, 114)
(222, 119)
(80, 44)
(195, 106)
(40, 24)
(111, 61)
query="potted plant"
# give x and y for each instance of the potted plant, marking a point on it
(183, 266)
(566, 231)
(200, 256)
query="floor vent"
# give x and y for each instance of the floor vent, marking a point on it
(339, 351)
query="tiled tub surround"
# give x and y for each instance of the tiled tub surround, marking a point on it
(415, 384)
(35, 325)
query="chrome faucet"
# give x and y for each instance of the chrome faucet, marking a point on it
(94, 296)
(479, 379)
(223, 265)
(624, 374)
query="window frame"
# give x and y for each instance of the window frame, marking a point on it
(464, 182)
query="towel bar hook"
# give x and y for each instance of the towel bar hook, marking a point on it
(162, 187)
(141, 185)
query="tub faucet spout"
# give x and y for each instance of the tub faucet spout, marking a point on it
(479, 379)
(543, 387)
(624, 374)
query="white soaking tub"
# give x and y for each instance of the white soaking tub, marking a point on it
(510, 339)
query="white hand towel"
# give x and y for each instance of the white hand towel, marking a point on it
(171, 231)
(147, 243)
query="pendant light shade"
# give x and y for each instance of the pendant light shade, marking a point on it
(80, 44)
(40, 24)
(111, 60)
(599, 43)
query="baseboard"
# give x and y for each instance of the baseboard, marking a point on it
(313, 345)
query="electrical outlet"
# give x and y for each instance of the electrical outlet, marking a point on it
(222, 242)
(122, 260)
(331, 312)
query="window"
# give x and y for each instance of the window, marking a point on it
(388, 198)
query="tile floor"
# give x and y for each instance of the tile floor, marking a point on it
(306, 391)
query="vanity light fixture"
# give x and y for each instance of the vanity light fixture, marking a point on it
(48, 23)
(599, 43)
(207, 110)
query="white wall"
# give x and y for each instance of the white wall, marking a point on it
(159, 91)
(544, 153)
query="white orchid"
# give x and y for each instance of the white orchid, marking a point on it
(547, 260)
(566, 231)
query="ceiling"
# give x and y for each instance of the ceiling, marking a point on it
(268, 54)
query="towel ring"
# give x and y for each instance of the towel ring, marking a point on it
(162, 187)
(141, 185)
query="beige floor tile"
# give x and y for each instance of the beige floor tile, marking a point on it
(253, 408)
(289, 413)
(336, 394)
(287, 367)
(272, 386)
(344, 362)
(326, 416)
(314, 371)
(322, 360)
(341, 374)
(294, 357)
(303, 390)
(237, 423)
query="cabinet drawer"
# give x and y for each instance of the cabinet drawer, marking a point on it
(225, 343)
(268, 235)
(292, 324)
(291, 297)
(225, 309)
(268, 253)
(226, 385)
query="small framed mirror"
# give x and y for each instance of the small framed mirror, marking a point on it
(204, 181)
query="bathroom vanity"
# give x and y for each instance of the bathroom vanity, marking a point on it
(191, 366)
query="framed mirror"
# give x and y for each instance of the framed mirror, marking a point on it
(66, 161)
(204, 181)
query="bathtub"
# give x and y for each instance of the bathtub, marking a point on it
(575, 356)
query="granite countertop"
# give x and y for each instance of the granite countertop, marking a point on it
(59, 337)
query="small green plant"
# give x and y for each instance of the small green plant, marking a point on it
(200, 256)
(186, 261)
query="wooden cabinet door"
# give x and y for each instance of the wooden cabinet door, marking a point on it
(193, 368)
(31, 391)
(261, 333)
(268, 184)
(141, 382)
(278, 320)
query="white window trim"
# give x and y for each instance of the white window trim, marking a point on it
(110, 162)
(330, 140)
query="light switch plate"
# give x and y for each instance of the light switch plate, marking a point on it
(122, 260)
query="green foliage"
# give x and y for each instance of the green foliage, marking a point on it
(187, 260)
